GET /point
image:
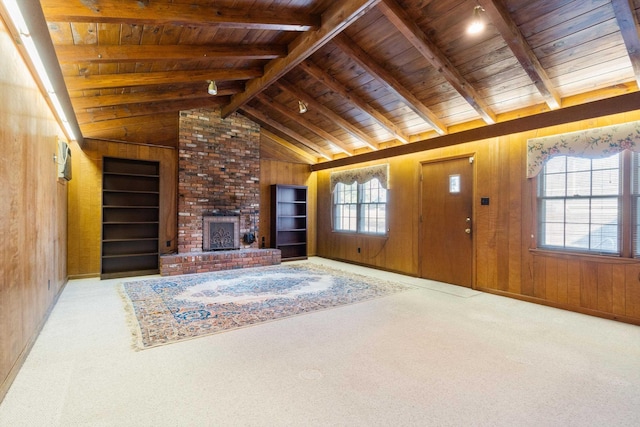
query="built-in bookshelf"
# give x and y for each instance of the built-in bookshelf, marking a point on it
(130, 217)
(289, 220)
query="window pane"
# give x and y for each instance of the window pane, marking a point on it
(604, 238)
(635, 200)
(555, 185)
(577, 211)
(346, 218)
(576, 164)
(579, 184)
(577, 236)
(373, 209)
(606, 182)
(604, 211)
(374, 218)
(345, 207)
(553, 210)
(556, 164)
(552, 234)
(611, 162)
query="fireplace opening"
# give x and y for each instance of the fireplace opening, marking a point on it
(220, 233)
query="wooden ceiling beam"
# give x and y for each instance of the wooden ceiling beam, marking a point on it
(194, 93)
(259, 116)
(302, 154)
(338, 16)
(155, 120)
(146, 109)
(414, 34)
(165, 53)
(321, 109)
(363, 59)
(628, 23)
(329, 81)
(574, 113)
(148, 134)
(106, 81)
(499, 16)
(164, 13)
(299, 119)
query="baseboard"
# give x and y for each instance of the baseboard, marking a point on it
(373, 267)
(581, 310)
(84, 276)
(13, 372)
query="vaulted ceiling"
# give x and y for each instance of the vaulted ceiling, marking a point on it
(373, 73)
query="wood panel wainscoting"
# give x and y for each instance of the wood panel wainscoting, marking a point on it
(503, 230)
(597, 285)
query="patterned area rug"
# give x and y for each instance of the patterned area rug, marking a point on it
(181, 307)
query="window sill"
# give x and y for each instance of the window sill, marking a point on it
(615, 259)
(356, 234)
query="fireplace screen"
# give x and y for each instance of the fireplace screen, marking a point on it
(220, 233)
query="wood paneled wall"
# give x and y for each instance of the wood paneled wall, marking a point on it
(85, 200)
(504, 262)
(86, 187)
(279, 172)
(33, 211)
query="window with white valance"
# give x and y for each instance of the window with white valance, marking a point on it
(587, 201)
(360, 200)
(361, 175)
(590, 143)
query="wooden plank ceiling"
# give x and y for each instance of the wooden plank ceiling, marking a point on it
(372, 73)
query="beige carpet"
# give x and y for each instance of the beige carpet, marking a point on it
(436, 355)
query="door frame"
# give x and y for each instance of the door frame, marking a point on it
(423, 163)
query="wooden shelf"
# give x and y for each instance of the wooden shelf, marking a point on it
(289, 220)
(130, 217)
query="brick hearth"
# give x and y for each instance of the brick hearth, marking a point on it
(204, 262)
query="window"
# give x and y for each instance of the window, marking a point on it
(346, 207)
(361, 208)
(590, 205)
(360, 200)
(580, 204)
(588, 194)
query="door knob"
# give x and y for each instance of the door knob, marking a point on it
(467, 230)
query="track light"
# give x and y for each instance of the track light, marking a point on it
(213, 89)
(477, 22)
(302, 107)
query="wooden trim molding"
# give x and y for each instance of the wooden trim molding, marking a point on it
(581, 310)
(590, 110)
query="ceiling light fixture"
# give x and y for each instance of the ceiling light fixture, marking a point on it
(302, 107)
(213, 89)
(477, 22)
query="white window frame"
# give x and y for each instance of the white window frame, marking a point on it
(580, 205)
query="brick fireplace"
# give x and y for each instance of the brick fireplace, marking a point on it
(218, 176)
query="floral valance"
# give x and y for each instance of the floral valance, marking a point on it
(361, 175)
(593, 143)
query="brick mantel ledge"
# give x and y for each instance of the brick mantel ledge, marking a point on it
(203, 262)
